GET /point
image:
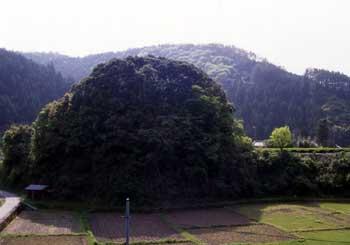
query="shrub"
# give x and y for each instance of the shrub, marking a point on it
(281, 137)
(16, 148)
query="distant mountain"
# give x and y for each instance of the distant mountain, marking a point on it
(25, 87)
(265, 95)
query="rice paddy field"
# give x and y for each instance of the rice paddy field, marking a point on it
(307, 223)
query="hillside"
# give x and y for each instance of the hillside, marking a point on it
(150, 128)
(25, 87)
(158, 131)
(265, 96)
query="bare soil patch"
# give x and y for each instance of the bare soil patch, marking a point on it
(144, 227)
(44, 240)
(182, 243)
(286, 209)
(241, 234)
(44, 222)
(206, 218)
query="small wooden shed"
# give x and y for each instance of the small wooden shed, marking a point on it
(33, 188)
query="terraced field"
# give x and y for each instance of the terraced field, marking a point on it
(325, 223)
(43, 240)
(190, 219)
(294, 217)
(44, 223)
(109, 227)
(239, 234)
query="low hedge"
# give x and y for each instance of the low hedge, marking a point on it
(307, 150)
(284, 174)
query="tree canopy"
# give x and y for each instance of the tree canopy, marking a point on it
(150, 128)
(16, 142)
(25, 87)
(157, 130)
(265, 96)
(281, 137)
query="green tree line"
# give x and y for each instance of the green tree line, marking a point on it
(265, 96)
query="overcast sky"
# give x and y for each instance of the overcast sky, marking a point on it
(295, 34)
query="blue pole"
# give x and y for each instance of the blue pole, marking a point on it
(127, 221)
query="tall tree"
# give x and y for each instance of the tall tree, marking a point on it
(281, 137)
(323, 131)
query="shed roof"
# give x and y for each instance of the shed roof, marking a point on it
(36, 187)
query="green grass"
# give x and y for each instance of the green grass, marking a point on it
(327, 237)
(338, 207)
(291, 222)
(295, 218)
(338, 237)
(289, 217)
(85, 226)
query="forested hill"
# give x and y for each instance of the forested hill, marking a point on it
(25, 87)
(149, 128)
(265, 96)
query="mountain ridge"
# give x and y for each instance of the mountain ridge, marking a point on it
(25, 87)
(265, 95)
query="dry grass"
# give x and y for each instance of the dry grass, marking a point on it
(205, 218)
(43, 240)
(337, 218)
(144, 227)
(241, 234)
(294, 217)
(44, 222)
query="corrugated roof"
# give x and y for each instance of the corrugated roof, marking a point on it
(36, 187)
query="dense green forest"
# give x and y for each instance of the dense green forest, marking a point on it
(265, 96)
(156, 130)
(25, 87)
(147, 127)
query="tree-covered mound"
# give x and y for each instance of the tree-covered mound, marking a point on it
(25, 87)
(149, 128)
(266, 96)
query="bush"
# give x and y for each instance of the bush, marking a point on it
(284, 173)
(307, 150)
(280, 137)
(16, 148)
(287, 174)
(334, 175)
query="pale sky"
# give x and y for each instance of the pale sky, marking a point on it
(295, 34)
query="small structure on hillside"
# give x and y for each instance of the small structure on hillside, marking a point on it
(259, 143)
(32, 189)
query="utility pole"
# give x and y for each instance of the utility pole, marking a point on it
(127, 221)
